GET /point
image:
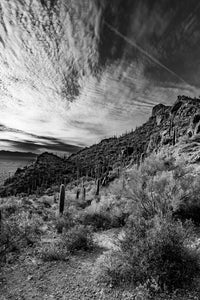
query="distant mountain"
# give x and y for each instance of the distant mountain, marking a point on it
(176, 128)
(11, 154)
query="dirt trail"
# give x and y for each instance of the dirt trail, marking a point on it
(30, 278)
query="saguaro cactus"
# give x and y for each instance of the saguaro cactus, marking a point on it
(142, 158)
(77, 193)
(174, 138)
(98, 187)
(62, 199)
(170, 127)
(83, 193)
(0, 220)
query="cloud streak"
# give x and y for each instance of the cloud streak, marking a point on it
(73, 72)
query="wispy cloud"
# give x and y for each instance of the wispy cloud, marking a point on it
(74, 72)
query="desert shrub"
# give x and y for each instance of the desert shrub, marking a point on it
(186, 200)
(111, 268)
(157, 163)
(65, 222)
(108, 213)
(10, 207)
(97, 220)
(53, 252)
(196, 119)
(30, 226)
(77, 238)
(161, 190)
(149, 189)
(19, 231)
(154, 253)
(10, 238)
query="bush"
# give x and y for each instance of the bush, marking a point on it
(18, 231)
(162, 188)
(66, 221)
(154, 253)
(188, 204)
(78, 238)
(54, 252)
(75, 238)
(170, 259)
(10, 238)
(97, 220)
(108, 213)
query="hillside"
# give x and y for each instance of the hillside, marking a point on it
(124, 244)
(177, 126)
(137, 238)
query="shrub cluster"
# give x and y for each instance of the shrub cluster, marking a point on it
(54, 252)
(155, 251)
(18, 231)
(76, 238)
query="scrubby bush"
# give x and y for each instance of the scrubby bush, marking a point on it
(65, 222)
(10, 238)
(77, 238)
(188, 203)
(97, 220)
(30, 226)
(106, 214)
(159, 186)
(54, 252)
(164, 251)
(154, 253)
(18, 231)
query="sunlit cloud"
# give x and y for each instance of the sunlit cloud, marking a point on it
(75, 72)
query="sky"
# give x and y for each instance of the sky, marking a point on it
(73, 72)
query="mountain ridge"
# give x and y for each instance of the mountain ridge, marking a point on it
(175, 127)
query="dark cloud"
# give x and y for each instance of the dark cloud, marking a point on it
(42, 142)
(37, 147)
(166, 30)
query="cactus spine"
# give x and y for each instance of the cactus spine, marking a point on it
(62, 199)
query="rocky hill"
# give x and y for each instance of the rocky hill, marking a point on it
(176, 126)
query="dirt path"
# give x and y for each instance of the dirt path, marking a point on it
(30, 278)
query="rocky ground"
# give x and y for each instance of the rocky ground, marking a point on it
(31, 278)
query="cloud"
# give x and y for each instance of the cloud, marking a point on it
(22, 140)
(74, 72)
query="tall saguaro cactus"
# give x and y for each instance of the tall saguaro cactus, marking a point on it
(62, 199)
(77, 193)
(83, 193)
(174, 138)
(0, 220)
(98, 187)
